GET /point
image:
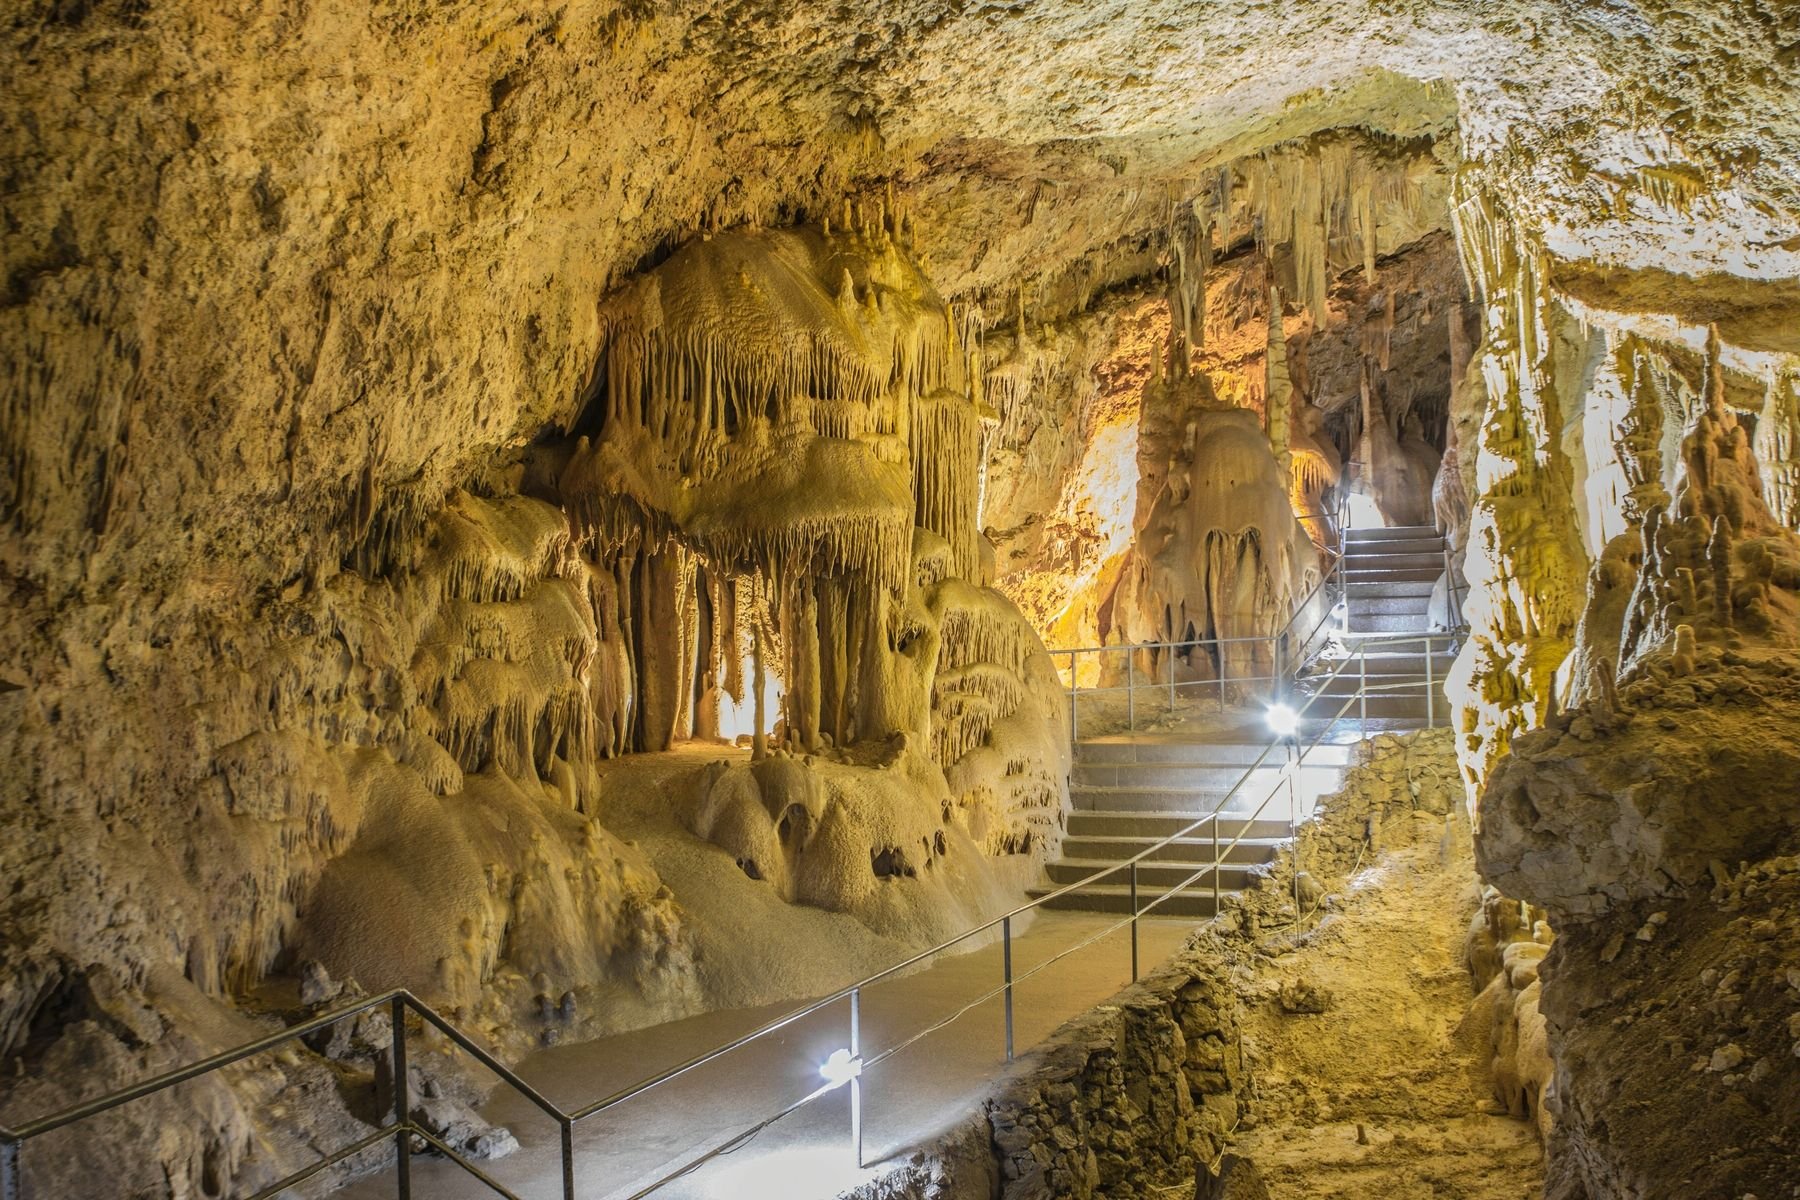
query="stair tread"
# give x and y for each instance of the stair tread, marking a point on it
(1108, 889)
(1125, 840)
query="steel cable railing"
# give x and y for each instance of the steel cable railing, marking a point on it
(402, 1129)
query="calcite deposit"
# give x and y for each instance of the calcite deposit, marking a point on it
(493, 500)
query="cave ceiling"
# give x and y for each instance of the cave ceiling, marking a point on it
(424, 202)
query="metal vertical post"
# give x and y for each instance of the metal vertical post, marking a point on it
(1215, 832)
(1430, 690)
(568, 1159)
(1006, 969)
(1224, 671)
(1278, 685)
(12, 1187)
(1171, 677)
(1134, 922)
(856, 1122)
(1362, 686)
(1294, 820)
(402, 1104)
(1074, 701)
(1131, 689)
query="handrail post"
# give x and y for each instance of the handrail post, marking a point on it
(1224, 670)
(1430, 690)
(402, 1104)
(856, 1120)
(1362, 686)
(1131, 688)
(1215, 837)
(1134, 922)
(568, 1159)
(1006, 973)
(1171, 657)
(1293, 839)
(12, 1184)
(1074, 701)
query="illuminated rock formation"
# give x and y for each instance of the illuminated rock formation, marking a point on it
(412, 414)
(1219, 553)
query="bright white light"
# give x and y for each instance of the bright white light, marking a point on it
(1283, 721)
(841, 1067)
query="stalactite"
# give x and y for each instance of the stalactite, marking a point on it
(1278, 391)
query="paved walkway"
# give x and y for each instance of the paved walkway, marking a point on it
(917, 1093)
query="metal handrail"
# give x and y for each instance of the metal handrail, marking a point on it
(402, 1129)
(1287, 664)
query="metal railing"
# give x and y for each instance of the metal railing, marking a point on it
(401, 1129)
(1286, 656)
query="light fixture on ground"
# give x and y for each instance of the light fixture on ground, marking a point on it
(840, 1068)
(1283, 720)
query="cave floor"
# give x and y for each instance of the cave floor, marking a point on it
(1381, 1097)
(921, 1091)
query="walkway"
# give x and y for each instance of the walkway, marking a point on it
(917, 1093)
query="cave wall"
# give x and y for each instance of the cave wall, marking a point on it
(294, 296)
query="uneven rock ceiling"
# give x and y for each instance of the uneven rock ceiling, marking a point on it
(409, 412)
(351, 192)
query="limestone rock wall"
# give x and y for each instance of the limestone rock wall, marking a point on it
(1649, 822)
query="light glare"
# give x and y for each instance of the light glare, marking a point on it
(841, 1067)
(1283, 721)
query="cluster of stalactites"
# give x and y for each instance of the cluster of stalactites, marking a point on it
(1278, 391)
(1305, 200)
(946, 458)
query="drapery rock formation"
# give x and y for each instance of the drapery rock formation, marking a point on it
(308, 574)
(762, 509)
(1219, 554)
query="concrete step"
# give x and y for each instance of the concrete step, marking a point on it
(1391, 533)
(1187, 749)
(1309, 786)
(1386, 622)
(1197, 849)
(1350, 727)
(1349, 683)
(1407, 704)
(1154, 878)
(1410, 661)
(1354, 575)
(1400, 558)
(1369, 606)
(1397, 707)
(1195, 902)
(1153, 826)
(1176, 775)
(1383, 589)
(1369, 558)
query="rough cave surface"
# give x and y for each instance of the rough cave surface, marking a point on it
(563, 511)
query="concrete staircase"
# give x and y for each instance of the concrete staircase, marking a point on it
(1132, 790)
(1388, 578)
(1129, 791)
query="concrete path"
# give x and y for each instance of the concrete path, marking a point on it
(906, 1099)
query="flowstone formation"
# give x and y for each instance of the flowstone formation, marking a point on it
(1652, 821)
(762, 520)
(1219, 553)
(1297, 281)
(782, 475)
